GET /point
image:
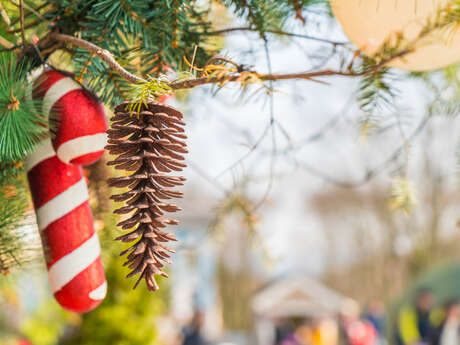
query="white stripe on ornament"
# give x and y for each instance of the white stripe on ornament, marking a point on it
(62, 204)
(69, 266)
(56, 91)
(31, 77)
(43, 150)
(99, 292)
(81, 146)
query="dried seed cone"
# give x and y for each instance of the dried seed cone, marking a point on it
(149, 145)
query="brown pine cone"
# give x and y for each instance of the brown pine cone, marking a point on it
(149, 145)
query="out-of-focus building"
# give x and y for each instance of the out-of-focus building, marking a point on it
(293, 297)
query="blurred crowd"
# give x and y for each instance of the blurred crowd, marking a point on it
(348, 328)
(421, 321)
(418, 322)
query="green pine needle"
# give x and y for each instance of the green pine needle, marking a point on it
(14, 202)
(21, 123)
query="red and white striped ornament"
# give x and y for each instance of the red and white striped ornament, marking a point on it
(65, 222)
(80, 134)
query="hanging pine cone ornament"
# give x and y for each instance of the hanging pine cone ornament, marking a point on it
(149, 144)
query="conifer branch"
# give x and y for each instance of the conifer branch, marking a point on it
(388, 53)
(102, 53)
(193, 82)
(235, 77)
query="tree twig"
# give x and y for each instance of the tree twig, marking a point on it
(372, 173)
(31, 11)
(102, 53)
(276, 32)
(21, 16)
(220, 58)
(193, 82)
(26, 26)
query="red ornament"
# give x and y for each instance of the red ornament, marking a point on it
(64, 218)
(80, 134)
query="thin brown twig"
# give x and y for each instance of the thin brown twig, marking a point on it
(220, 58)
(26, 26)
(35, 11)
(193, 82)
(102, 53)
(21, 16)
(276, 32)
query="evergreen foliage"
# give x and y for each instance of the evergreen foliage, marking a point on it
(14, 202)
(21, 124)
(147, 37)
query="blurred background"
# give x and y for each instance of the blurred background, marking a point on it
(304, 221)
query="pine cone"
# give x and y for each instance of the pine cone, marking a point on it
(148, 143)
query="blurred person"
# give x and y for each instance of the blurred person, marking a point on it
(305, 332)
(322, 331)
(328, 333)
(291, 339)
(192, 332)
(417, 320)
(290, 336)
(375, 313)
(352, 329)
(284, 328)
(448, 332)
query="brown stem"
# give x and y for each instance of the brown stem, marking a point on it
(21, 16)
(277, 32)
(191, 83)
(30, 13)
(102, 53)
(219, 58)
(27, 26)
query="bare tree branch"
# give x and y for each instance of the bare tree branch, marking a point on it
(276, 32)
(21, 16)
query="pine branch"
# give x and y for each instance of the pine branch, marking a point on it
(14, 250)
(193, 82)
(102, 53)
(388, 52)
(22, 124)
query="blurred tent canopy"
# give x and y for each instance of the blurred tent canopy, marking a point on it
(293, 297)
(443, 280)
(297, 296)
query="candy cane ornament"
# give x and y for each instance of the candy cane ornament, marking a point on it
(65, 222)
(81, 122)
